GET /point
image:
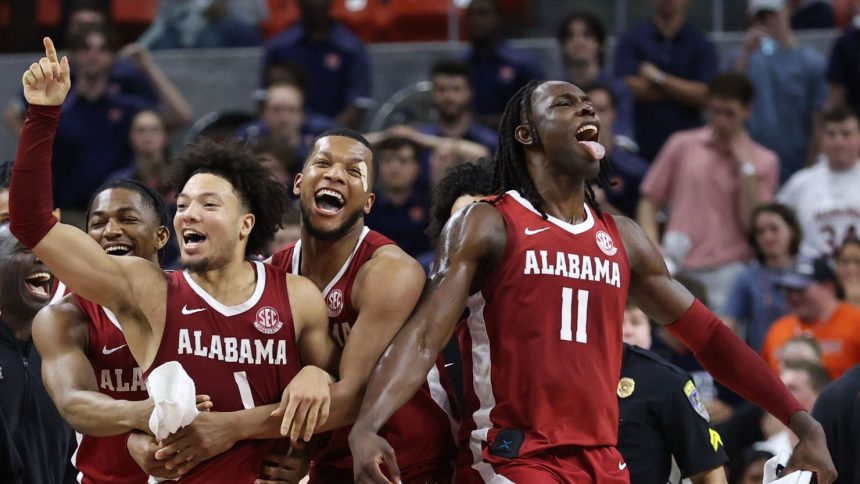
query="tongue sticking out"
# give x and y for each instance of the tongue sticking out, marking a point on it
(595, 149)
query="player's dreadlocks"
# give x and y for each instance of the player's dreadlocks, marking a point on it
(510, 171)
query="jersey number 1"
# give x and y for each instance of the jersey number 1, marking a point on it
(567, 313)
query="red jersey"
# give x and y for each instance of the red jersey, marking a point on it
(422, 431)
(242, 356)
(106, 459)
(543, 338)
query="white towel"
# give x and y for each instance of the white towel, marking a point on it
(778, 462)
(174, 395)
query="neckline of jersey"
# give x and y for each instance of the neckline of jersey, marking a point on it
(574, 229)
(238, 308)
(297, 260)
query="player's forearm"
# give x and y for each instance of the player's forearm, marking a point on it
(30, 194)
(98, 415)
(733, 363)
(401, 370)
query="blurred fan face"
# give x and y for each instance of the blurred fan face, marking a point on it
(841, 143)
(398, 169)
(800, 385)
(635, 329)
(95, 58)
(452, 96)
(847, 265)
(148, 134)
(283, 112)
(483, 20)
(772, 235)
(581, 45)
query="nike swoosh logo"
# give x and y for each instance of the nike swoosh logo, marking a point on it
(107, 351)
(622, 466)
(536, 231)
(186, 311)
(448, 364)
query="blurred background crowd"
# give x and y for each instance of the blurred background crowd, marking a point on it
(731, 127)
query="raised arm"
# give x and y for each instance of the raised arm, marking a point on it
(89, 272)
(177, 111)
(472, 242)
(60, 334)
(720, 352)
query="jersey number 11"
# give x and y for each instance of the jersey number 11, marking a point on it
(567, 313)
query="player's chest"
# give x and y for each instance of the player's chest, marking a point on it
(341, 313)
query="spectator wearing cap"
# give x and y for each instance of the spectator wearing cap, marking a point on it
(668, 64)
(719, 163)
(582, 40)
(812, 292)
(497, 69)
(789, 79)
(825, 196)
(333, 59)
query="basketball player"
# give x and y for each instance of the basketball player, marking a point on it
(87, 367)
(226, 320)
(370, 287)
(545, 276)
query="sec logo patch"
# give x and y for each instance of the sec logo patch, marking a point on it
(605, 243)
(626, 387)
(268, 321)
(334, 303)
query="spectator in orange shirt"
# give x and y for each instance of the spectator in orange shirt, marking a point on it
(812, 294)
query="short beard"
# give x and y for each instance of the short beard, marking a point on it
(194, 267)
(330, 235)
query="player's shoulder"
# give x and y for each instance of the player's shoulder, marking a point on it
(386, 262)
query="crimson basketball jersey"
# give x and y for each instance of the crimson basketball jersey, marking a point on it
(242, 356)
(422, 431)
(543, 339)
(106, 459)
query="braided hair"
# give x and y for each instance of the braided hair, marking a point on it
(510, 172)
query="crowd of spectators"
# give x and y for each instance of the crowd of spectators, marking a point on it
(742, 170)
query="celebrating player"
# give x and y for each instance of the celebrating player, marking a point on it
(226, 320)
(545, 276)
(370, 287)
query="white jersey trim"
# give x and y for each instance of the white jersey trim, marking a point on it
(483, 385)
(112, 318)
(59, 293)
(297, 260)
(440, 396)
(239, 308)
(574, 229)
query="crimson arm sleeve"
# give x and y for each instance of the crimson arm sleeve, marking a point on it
(30, 196)
(732, 362)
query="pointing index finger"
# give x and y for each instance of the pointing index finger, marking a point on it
(50, 50)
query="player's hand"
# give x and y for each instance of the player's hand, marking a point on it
(209, 435)
(305, 403)
(47, 82)
(136, 53)
(369, 451)
(204, 403)
(141, 448)
(291, 467)
(811, 453)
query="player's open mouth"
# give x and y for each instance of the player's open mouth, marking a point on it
(328, 201)
(39, 284)
(586, 136)
(118, 249)
(192, 239)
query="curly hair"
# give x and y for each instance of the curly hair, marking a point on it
(255, 185)
(510, 172)
(462, 179)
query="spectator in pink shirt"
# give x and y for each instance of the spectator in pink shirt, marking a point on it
(710, 180)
